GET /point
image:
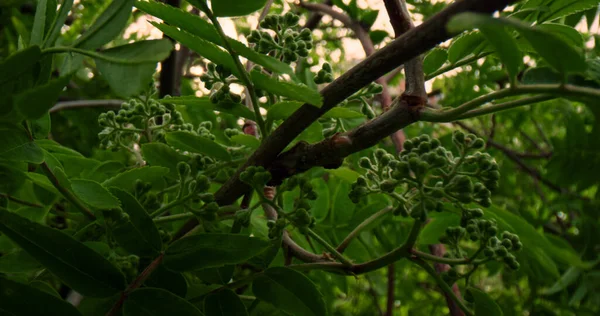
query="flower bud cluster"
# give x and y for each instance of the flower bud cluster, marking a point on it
(127, 264)
(325, 74)
(289, 41)
(137, 117)
(430, 175)
(256, 177)
(217, 79)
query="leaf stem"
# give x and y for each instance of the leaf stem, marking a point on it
(16, 200)
(466, 110)
(329, 247)
(66, 193)
(245, 77)
(170, 205)
(116, 308)
(344, 244)
(443, 285)
(460, 63)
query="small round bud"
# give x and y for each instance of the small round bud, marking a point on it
(501, 251)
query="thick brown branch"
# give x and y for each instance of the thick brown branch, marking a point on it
(315, 18)
(330, 153)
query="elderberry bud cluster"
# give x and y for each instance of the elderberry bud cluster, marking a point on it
(289, 41)
(485, 232)
(256, 177)
(136, 117)
(426, 175)
(276, 228)
(127, 264)
(217, 79)
(324, 75)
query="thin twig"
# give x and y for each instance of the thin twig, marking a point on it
(16, 200)
(116, 308)
(79, 104)
(354, 233)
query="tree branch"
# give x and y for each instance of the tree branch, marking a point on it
(315, 18)
(170, 75)
(116, 309)
(410, 44)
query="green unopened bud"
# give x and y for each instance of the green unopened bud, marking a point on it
(365, 163)
(183, 169)
(388, 185)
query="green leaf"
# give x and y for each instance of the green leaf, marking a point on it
(56, 148)
(18, 63)
(18, 262)
(42, 181)
(16, 145)
(16, 74)
(484, 304)
(61, 17)
(221, 275)
(531, 238)
(342, 113)
(93, 194)
(162, 155)
(434, 60)
(34, 103)
(345, 174)
(564, 32)
(436, 227)
(157, 302)
(377, 36)
(294, 91)
(164, 278)
(212, 250)
(494, 31)
(553, 49)
(224, 303)
(108, 25)
(290, 291)
(236, 109)
(368, 17)
(40, 128)
(557, 9)
(282, 110)
(465, 45)
(12, 178)
(571, 275)
(138, 233)
(235, 7)
(204, 48)
(199, 27)
(75, 166)
(559, 54)
(126, 180)
(21, 29)
(133, 76)
(342, 208)
(197, 144)
(78, 266)
(39, 22)
(246, 140)
(20, 299)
